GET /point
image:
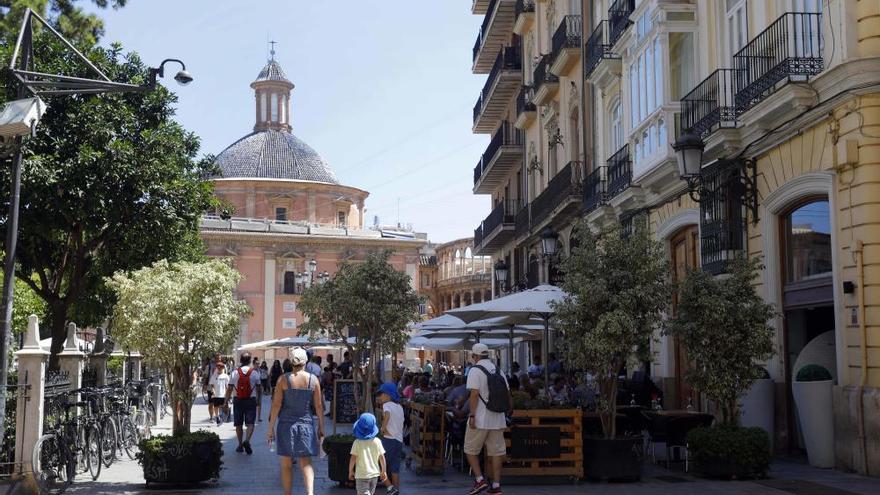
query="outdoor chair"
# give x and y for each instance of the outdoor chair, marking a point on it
(677, 429)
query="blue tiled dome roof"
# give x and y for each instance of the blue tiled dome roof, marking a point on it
(274, 154)
(272, 72)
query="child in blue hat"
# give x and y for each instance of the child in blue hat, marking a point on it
(392, 434)
(367, 464)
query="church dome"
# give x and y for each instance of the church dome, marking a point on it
(272, 151)
(274, 154)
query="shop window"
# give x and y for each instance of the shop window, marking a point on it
(808, 242)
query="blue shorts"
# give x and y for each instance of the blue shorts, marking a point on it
(244, 411)
(393, 453)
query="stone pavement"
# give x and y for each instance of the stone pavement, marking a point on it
(258, 474)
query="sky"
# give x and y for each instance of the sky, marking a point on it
(384, 90)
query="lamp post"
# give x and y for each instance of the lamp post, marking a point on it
(689, 154)
(501, 272)
(308, 277)
(36, 84)
(549, 247)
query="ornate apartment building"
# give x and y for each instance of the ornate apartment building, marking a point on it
(585, 100)
(454, 276)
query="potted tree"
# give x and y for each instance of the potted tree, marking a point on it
(722, 324)
(617, 291)
(367, 305)
(757, 405)
(179, 312)
(812, 398)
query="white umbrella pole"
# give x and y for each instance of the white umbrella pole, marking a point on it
(544, 352)
(510, 352)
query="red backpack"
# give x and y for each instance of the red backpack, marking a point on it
(243, 385)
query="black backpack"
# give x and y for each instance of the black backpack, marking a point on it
(499, 395)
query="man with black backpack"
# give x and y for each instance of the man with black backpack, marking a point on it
(489, 403)
(245, 384)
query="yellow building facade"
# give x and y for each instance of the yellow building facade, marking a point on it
(785, 95)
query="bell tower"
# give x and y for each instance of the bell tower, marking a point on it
(272, 97)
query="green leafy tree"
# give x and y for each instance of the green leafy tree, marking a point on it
(617, 291)
(723, 325)
(109, 183)
(370, 301)
(178, 312)
(67, 16)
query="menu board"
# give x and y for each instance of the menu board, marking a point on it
(345, 400)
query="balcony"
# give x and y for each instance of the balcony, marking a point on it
(619, 172)
(522, 222)
(504, 153)
(564, 191)
(789, 50)
(618, 18)
(504, 79)
(494, 33)
(710, 105)
(594, 189)
(546, 83)
(525, 108)
(722, 224)
(598, 49)
(566, 44)
(525, 16)
(480, 7)
(478, 235)
(497, 228)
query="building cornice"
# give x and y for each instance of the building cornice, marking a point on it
(263, 239)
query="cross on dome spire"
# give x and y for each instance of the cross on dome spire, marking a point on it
(272, 51)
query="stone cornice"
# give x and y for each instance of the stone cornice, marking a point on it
(304, 240)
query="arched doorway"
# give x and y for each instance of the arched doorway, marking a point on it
(684, 248)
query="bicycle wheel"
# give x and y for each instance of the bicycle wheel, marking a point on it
(52, 465)
(142, 422)
(130, 437)
(108, 441)
(93, 451)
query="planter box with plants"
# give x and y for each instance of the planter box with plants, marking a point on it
(730, 452)
(190, 458)
(812, 397)
(338, 450)
(544, 443)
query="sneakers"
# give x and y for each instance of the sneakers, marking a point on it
(495, 490)
(218, 420)
(392, 491)
(239, 449)
(247, 448)
(479, 486)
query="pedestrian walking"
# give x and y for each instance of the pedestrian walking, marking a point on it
(245, 384)
(274, 374)
(392, 434)
(367, 464)
(489, 400)
(298, 436)
(218, 383)
(264, 388)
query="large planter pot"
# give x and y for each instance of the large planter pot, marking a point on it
(813, 403)
(338, 454)
(757, 407)
(193, 458)
(613, 459)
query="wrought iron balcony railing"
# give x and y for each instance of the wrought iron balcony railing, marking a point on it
(506, 135)
(567, 35)
(722, 222)
(484, 28)
(619, 172)
(522, 222)
(563, 186)
(594, 190)
(478, 107)
(542, 73)
(710, 104)
(598, 48)
(478, 170)
(524, 6)
(790, 49)
(618, 18)
(509, 58)
(503, 213)
(478, 235)
(525, 100)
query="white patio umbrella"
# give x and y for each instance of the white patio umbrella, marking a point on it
(437, 343)
(261, 345)
(522, 307)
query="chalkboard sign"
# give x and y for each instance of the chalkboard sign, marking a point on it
(535, 443)
(346, 395)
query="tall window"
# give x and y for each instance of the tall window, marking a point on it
(290, 282)
(808, 242)
(283, 109)
(341, 218)
(646, 81)
(736, 24)
(274, 100)
(281, 214)
(616, 128)
(263, 107)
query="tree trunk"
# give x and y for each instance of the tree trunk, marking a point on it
(181, 401)
(58, 332)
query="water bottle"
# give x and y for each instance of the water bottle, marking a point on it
(272, 446)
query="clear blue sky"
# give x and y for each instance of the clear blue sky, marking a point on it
(384, 90)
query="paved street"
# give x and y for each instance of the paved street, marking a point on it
(259, 474)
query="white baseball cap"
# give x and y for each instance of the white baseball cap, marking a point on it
(299, 357)
(480, 350)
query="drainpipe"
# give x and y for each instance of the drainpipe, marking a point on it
(586, 24)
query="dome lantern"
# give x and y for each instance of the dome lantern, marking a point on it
(272, 97)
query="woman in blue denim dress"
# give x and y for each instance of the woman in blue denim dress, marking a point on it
(298, 434)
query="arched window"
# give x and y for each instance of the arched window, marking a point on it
(807, 231)
(457, 264)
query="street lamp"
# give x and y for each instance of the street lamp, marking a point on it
(549, 242)
(689, 153)
(22, 116)
(501, 272)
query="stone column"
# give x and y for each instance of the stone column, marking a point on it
(32, 359)
(71, 358)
